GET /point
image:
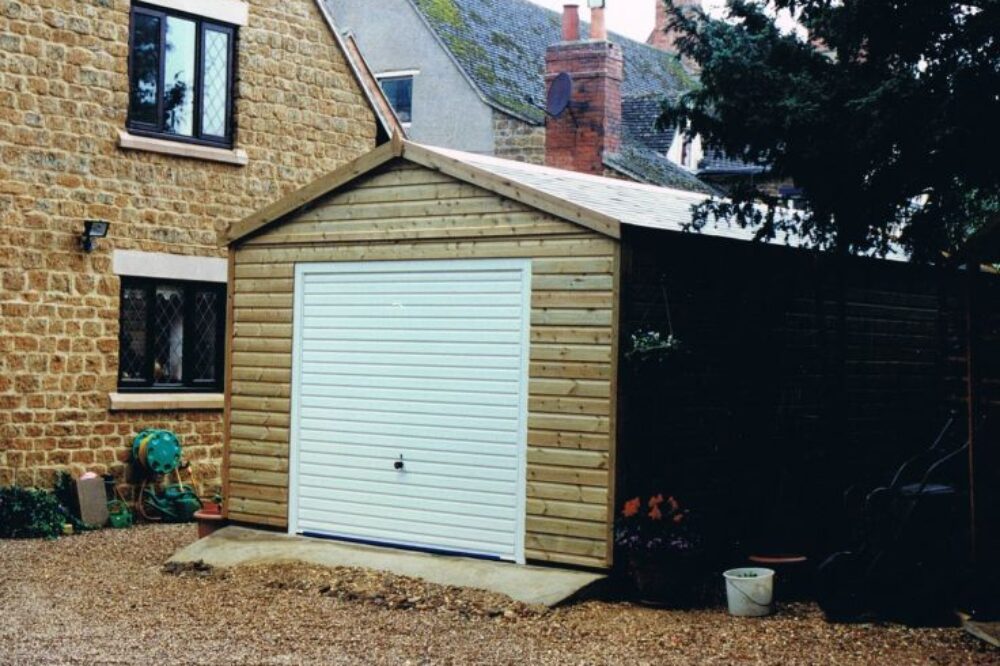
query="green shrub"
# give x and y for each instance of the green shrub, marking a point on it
(27, 513)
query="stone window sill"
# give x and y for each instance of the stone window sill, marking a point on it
(164, 402)
(235, 156)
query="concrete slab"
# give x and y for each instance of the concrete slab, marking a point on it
(233, 546)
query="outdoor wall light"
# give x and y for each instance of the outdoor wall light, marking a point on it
(92, 230)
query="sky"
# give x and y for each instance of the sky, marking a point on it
(632, 18)
(635, 18)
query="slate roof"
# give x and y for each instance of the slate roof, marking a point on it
(644, 165)
(639, 115)
(500, 45)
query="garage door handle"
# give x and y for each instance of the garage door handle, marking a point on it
(399, 463)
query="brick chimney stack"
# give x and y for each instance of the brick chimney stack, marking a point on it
(662, 38)
(581, 135)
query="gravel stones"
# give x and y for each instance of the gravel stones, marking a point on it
(106, 597)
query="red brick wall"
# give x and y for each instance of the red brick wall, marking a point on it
(580, 136)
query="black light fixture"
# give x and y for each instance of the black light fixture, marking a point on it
(92, 230)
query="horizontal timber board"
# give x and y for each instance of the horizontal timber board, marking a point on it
(569, 440)
(581, 459)
(569, 475)
(571, 387)
(259, 448)
(596, 513)
(254, 519)
(568, 493)
(260, 433)
(258, 462)
(266, 493)
(562, 558)
(459, 228)
(328, 215)
(468, 249)
(258, 507)
(550, 543)
(257, 477)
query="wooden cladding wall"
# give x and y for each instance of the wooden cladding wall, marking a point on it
(783, 394)
(405, 212)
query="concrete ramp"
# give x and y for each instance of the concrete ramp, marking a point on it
(233, 546)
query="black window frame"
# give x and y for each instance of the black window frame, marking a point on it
(155, 130)
(149, 385)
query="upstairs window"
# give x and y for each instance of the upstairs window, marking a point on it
(399, 92)
(172, 335)
(181, 77)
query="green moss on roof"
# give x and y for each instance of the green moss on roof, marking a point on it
(441, 11)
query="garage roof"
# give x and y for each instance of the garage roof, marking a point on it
(598, 203)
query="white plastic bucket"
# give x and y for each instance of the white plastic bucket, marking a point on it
(749, 591)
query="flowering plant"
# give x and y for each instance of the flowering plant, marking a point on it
(656, 525)
(650, 344)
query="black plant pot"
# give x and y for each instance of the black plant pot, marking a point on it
(668, 580)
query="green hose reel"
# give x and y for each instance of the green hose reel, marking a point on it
(158, 453)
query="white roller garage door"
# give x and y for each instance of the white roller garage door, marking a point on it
(409, 403)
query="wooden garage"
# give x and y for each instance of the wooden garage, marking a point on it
(424, 353)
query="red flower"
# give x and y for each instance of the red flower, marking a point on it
(655, 513)
(631, 507)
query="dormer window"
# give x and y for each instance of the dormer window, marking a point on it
(181, 76)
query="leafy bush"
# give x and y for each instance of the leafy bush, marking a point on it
(27, 513)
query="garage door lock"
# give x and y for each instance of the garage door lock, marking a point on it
(399, 463)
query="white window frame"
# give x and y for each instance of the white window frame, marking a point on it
(399, 74)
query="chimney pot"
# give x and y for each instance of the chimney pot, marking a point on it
(598, 27)
(571, 23)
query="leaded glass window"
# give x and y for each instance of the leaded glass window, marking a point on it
(181, 72)
(171, 335)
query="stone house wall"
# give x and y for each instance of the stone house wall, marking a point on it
(515, 139)
(63, 101)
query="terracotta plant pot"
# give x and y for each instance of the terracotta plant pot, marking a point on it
(209, 520)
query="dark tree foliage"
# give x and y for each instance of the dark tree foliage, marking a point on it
(887, 116)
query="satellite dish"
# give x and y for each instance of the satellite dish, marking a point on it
(559, 94)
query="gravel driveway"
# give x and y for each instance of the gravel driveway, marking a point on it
(104, 598)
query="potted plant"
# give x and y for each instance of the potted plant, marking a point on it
(210, 517)
(664, 554)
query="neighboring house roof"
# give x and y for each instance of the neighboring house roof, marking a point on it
(634, 160)
(639, 116)
(598, 203)
(500, 46)
(717, 163)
